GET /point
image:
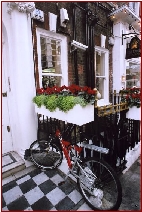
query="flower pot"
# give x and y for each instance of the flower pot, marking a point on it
(78, 115)
(134, 113)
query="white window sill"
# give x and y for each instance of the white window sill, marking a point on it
(51, 74)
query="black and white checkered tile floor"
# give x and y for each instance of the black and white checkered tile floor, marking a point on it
(38, 190)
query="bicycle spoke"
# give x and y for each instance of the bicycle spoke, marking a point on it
(101, 188)
(46, 156)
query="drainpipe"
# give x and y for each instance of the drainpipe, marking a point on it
(92, 58)
(87, 51)
(33, 50)
(90, 69)
(75, 52)
(90, 73)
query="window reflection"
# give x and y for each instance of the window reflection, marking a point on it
(50, 81)
(50, 55)
(133, 75)
(50, 62)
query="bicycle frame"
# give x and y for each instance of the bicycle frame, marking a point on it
(87, 171)
(66, 146)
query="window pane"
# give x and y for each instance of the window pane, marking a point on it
(43, 53)
(50, 81)
(100, 71)
(100, 86)
(50, 55)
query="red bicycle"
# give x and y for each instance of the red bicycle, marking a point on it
(97, 181)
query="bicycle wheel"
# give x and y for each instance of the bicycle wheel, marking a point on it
(101, 187)
(45, 155)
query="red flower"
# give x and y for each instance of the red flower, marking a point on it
(85, 88)
(40, 91)
(64, 87)
(127, 97)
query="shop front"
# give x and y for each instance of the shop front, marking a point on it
(126, 49)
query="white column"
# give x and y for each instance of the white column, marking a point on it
(119, 51)
(23, 68)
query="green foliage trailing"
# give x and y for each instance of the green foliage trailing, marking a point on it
(80, 101)
(50, 102)
(132, 96)
(65, 103)
(64, 97)
(39, 100)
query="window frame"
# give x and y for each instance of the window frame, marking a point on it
(106, 72)
(64, 55)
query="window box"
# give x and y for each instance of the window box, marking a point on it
(134, 113)
(78, 115)
(73, 104)
(133, 98)
(57, 114)
(81, 115)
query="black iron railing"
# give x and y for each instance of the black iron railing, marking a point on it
(110, 129)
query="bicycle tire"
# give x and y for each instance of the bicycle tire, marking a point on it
(46, 155)
(106, 190)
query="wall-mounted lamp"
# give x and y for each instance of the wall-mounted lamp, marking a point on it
(123, 78)
(111, 41)
(64, 19)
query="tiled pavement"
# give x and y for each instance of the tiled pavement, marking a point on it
(33, 189)
(39, 190)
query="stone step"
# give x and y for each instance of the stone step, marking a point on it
(11, 164)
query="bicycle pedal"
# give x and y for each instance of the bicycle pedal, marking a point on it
(61, 183)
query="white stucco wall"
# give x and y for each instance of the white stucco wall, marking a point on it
(23, 120)
(132, 156)
(119, 50)
(119, 69)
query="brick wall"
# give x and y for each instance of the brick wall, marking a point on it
(104, 28)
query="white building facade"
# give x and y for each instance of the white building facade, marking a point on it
(126, 72)
(126, 24)
(19, 123)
